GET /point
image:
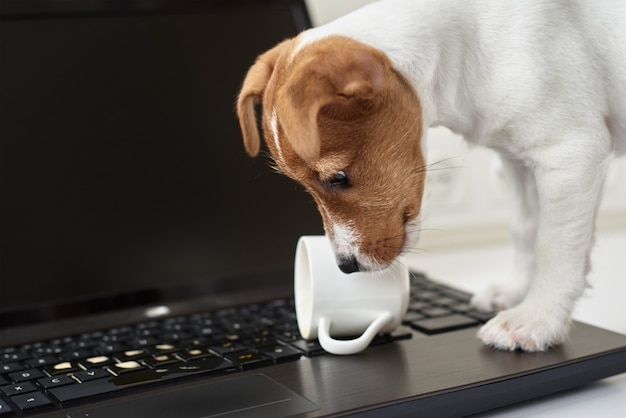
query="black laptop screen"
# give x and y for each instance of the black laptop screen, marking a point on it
(121, 163)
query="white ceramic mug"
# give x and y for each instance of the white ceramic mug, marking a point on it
(330, 303)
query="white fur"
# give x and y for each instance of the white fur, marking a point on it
(345, 240)
(544, 83)
(275, 137)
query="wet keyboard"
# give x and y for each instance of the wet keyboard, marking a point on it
(56, 373)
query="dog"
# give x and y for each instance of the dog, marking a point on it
(346, 109)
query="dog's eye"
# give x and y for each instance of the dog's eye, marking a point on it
(339, 180)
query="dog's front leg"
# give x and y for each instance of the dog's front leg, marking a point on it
(569, 182)
(523, 195)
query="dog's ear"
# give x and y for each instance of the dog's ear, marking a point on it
(341, 76)
(252, 92)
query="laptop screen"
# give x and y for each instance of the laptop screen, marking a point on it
(122, 169)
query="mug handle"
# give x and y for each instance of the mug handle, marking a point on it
(341, 347)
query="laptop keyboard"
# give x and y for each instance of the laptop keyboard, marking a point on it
(60, 372)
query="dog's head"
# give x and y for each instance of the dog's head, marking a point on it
(338, 119)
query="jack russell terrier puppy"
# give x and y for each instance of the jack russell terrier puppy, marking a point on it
(346, 108)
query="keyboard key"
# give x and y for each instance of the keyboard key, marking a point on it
(397, 335)
(310, 348)
(457, 294)
(25, 375)
(97, 361)
(481, 316)
(42, 361)
(436, 311)
(461, 307)
(160, 360)
(5, 409)
(31, 401)
(91, 374)
(443, 324)
(282, 353)
(445, 301)
(412, 316)
(18, 388)
(132, 354)
(56, 381)
(195, 353)
(164, 349)
(248, 359)
(62, 367)
(125, 367)
(419, 305)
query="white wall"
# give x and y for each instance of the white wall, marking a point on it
(323, 11)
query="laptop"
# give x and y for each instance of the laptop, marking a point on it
(146, 262)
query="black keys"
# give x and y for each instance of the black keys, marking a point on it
(25, 395)
(412, 316)
(435, 311)
(441, 324)
(217, 342)
(11, 367)
(13, 356)
(31, 400)
(18, 388)
(481, 316)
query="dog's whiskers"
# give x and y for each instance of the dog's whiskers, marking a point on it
(431, 166)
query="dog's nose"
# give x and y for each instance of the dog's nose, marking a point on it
(348, 264)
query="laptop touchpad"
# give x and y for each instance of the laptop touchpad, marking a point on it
(249, 396)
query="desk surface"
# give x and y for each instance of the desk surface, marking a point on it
(603, 305)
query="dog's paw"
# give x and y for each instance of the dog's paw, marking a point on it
(498, 297)
(525, 328)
